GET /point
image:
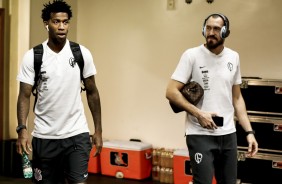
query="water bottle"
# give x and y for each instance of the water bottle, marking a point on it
(27, 169)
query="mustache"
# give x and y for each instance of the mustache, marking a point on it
(212, 37)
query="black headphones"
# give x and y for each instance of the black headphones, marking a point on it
(224, 32)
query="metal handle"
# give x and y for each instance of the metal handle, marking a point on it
(277, 165)
(244, 84)
(241, 156)
(277, 128)
(278, 90)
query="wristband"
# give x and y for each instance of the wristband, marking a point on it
(250, 132)
(20, 127)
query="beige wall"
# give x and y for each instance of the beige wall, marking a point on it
(137, 44)
(16, 42)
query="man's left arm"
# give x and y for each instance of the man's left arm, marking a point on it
(94, 104)
(241, 114)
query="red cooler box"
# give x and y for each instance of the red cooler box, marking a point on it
(94, 165)
(126, 159)
(182, 168)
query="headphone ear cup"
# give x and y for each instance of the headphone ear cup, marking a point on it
(204, 31)
(223, 32)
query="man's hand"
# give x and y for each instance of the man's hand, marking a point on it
(253, 145)
(98, 142)
(23, 144)
(205, 120)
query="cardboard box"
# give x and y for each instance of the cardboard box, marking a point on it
(182, 167)
(126, 159)
(94, 165)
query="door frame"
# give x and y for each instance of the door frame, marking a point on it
(2, 29)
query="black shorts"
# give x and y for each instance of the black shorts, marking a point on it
(213, 156)
(57, 160)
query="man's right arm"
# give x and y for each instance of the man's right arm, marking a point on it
(23, 105)
(174, 95)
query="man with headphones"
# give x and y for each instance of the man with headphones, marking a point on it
(210, 127)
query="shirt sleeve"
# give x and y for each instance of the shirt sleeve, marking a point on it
(237, 77)
(183, 70)
(89, 68)
(26, 72)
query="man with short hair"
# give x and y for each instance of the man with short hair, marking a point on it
(61, 144)
(212, 148)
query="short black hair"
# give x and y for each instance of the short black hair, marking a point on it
(55, 7)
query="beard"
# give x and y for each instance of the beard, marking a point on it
(213, 44)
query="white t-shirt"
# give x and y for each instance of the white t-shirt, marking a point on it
(216, 74)
(59, 111)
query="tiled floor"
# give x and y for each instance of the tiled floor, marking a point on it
(93, 178)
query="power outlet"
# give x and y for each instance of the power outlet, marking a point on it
(170, 4)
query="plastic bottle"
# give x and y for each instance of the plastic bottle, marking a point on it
(27, 169)
(156, 173)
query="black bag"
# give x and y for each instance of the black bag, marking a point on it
(193, 92)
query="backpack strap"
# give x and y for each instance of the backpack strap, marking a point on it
(76, 51)
(38, 54)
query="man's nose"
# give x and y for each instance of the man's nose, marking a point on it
(61, 25)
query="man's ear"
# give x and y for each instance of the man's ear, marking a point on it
(46, 25)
